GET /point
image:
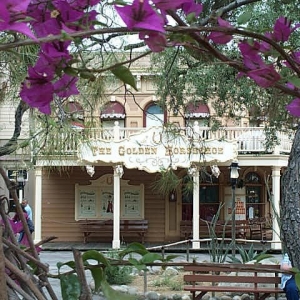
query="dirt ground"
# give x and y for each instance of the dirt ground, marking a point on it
(161, 284)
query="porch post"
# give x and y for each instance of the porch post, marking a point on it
(118, 173)
(37, 220)
(275, 207)
(193, 171)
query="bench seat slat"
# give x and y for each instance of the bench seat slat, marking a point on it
(262, 280)
(232, 289)
(224, 278)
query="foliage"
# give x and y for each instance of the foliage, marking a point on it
(247, 256)
(169, 281)
(118, 275)
(107, 271)
(218, 249)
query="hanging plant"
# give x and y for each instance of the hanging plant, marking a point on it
(166, 182)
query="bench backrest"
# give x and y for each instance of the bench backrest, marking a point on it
(108, 224)
(247, 273)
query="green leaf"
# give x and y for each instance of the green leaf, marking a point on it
(70, 71)
(95, 255)
(150, 258)
(134, 248)
(87, 75)
(112, 294)
(70, 264)
(297, 279)
(124, 74)
(70, 287)
(98, 276)
(295, 81)
(244, 17)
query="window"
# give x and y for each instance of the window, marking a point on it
(197, 114)
(75, 112)
(112, 112)
(254, 201)
(209, 199)
(154, 116)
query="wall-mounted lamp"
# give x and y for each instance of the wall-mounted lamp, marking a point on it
(234, 173)
(173, 196)
(215, 170)
(192, 170)
(119, 170)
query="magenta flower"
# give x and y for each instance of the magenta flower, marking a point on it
(264, 77)
(294, 107)
(141, 15)
(12, 15)
(221, 37)
(251, 57)
(188, 6)
(66, 86)
(38, 92)
(282, 29)
(156, 41)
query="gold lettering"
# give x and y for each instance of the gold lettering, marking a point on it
(214, 150)
(169, 151)
(221, 150)
(121, 151)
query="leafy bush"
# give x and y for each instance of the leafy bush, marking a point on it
(247, 256)
(118, 275)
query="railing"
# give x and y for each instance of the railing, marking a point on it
(249, 139)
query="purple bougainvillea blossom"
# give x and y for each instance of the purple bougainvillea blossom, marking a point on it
(264, 77)
(66, 86)
(282, 29)
(188, 6)
(251, 56)
(12, 15)
(156, 41)
(294, 107)
(38, 92)
(219, 37)
(140, 15)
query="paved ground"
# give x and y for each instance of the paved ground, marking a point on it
(52, 257)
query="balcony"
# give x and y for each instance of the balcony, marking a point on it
(249, 140)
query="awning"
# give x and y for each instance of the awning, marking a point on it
(197, 111)
(113, 110)
(73, 107)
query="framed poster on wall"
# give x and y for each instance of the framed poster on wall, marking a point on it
(87, 202)
(106, 203)
(132, 202)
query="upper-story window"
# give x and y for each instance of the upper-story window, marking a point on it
(75, 112)
(111, 112)
(197, 114)
(154, 116)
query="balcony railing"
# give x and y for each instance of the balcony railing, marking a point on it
(249, 139)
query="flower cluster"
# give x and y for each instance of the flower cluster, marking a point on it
(42, 18)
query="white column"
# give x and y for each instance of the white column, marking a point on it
(275, 207)
(118, 172)
(193, 171)
(37, 220)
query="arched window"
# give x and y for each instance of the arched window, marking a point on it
(154, 116)
(111, 112)
(75, 112)
(197, 112)
(254, 196)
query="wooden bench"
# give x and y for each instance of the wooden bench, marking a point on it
(258, 279)
(221, 229)
(106, 226)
